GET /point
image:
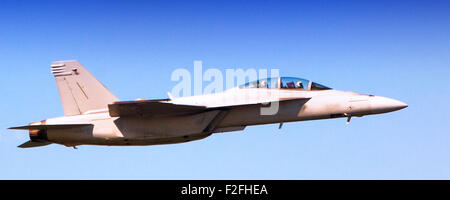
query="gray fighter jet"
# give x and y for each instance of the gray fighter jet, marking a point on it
(94, 116)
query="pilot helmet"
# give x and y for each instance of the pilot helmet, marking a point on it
(264, 84)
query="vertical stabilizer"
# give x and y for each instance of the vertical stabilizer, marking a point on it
(79, 90)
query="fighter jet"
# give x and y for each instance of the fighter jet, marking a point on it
(94, 116)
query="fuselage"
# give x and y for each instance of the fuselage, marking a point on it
(320, 104)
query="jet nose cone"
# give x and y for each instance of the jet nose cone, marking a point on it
(384, 104)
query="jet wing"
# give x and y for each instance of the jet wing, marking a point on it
(161, 108)
(151, 108)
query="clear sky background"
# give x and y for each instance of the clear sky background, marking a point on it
(398, 49)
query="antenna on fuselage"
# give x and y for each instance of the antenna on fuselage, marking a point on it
(349, 117)
(281, 125)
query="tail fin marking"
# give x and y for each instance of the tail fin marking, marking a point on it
(79, 90)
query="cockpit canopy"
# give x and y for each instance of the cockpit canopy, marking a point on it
(285, 83)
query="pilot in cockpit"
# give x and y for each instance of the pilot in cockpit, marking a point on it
(299, 84)
(263, 84)
(290, 84)
(257, 84)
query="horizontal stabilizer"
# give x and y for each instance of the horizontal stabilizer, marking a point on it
(31, 144)
(48, 126)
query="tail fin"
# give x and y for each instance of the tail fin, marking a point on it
(79, 90)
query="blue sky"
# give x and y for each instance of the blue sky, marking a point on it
(397, 49)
